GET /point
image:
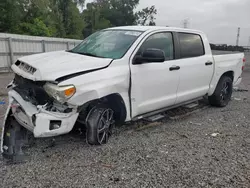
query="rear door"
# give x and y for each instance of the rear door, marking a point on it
(196, 67)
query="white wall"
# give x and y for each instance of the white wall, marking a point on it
(13, 46)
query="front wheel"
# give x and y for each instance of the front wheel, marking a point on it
(222, 93)
(100, 122)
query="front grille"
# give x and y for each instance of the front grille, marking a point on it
(19, 80)
(31, 91)
(25, 67)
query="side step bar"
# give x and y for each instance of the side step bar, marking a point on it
(154, 118)
(165, 109)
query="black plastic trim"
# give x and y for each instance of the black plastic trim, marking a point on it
(177, 46)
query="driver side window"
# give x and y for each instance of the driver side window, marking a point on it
(162, 41)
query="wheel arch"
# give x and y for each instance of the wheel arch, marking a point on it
(215, 82)
(114, 101)
(230, 74)
(223, 91)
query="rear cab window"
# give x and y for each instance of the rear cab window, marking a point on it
(191, 45)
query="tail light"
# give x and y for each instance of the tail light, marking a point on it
(244, 61)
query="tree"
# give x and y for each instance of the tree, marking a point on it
(105, 13)
(146, 16)
(62, 18)
(118, 12)
(69, 17)
(11, 13)
(93, 19)
(75, 23)
(56, 19)
(36, 28)
(36, 19)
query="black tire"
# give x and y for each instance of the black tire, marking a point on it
(223, 92)
(99, 123)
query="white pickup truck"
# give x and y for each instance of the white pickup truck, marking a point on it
(115, 75)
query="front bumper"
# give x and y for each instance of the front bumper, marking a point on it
(38, 120)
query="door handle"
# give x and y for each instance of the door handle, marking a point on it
(208, 63)
(174, 68)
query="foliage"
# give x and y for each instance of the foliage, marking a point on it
(11, 13)
(105, 13)
(94, 19)
(146, 16)
(118, 12)
(66, 18)
(36, 28)
(35, 20)
(62, 18)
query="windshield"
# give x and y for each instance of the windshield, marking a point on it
(107, 43)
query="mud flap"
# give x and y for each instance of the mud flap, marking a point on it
(14, 137)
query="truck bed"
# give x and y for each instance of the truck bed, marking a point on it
(228, 62)
(218, 52)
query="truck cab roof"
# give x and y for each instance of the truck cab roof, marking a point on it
(155, 28)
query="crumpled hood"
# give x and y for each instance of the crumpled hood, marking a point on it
(53, 65)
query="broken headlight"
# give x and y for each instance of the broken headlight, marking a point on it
(60, 93)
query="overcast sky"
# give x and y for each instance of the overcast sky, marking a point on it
(219, 19)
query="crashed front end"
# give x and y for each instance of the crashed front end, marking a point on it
(33, 106)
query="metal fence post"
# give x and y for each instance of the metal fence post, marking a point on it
(67, 45)
(43, 46)
(11, 51)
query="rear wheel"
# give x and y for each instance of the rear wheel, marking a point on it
(222, 93)
(100, 122)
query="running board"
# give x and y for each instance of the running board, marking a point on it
(154, 118)
(164, 109)
(192, 105)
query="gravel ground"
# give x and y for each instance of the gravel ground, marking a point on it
(209, 148)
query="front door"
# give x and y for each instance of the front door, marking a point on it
(154, 85)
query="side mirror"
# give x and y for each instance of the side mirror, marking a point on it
(150, 55)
